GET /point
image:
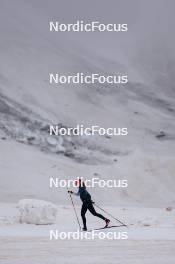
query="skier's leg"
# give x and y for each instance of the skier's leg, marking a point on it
(92, 210)
(83, 212)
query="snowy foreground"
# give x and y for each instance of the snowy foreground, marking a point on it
(151, 238)
(39, 250)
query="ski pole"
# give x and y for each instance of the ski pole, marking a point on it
(110, 215)
(74, 209)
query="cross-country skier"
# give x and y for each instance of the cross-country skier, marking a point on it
(87, 203)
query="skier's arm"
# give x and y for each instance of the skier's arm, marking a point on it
(78, 193)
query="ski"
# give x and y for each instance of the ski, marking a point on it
(105, 227)
(108, 227)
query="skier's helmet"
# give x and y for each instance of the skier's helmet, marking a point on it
(78, 182)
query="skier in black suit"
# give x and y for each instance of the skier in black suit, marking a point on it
(87, 204)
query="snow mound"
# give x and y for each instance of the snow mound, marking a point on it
(37, 212)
